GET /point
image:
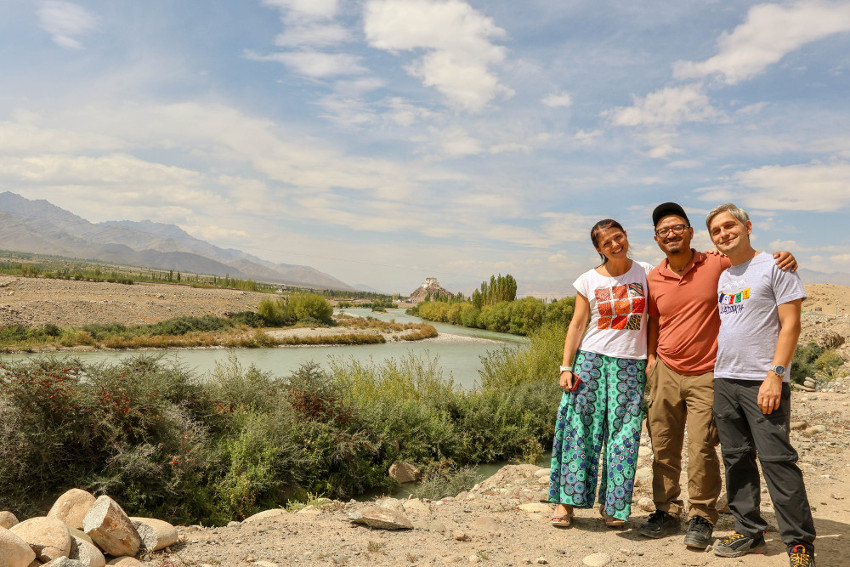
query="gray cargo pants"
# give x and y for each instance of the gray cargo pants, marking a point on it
(745, 432)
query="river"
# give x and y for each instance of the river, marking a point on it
(458, 350)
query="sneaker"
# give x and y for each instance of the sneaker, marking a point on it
(801, 557)
(660, 524)
(699, 533)
(736, 545)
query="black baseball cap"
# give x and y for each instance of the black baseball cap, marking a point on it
(665, 209)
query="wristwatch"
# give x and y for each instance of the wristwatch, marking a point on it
(778, 370)
(565, 368)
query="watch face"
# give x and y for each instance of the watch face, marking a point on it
(780, 370)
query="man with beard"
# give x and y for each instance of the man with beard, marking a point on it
(683, 329)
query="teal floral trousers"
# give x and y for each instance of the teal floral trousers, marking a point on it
(605, 411)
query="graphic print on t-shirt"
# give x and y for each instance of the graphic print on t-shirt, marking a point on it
(620, 306)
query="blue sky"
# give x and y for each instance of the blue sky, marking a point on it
(383, 141)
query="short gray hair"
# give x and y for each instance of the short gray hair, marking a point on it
(730, 208)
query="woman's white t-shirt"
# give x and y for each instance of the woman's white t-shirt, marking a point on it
(617, 312)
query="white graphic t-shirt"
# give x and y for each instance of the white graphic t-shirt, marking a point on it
(617, 312)
(748, 296)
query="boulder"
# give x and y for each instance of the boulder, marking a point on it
(830, 340)
(7, 519)
(71, 507)
(266, 515)
(125, 561)
(49, 538)
(86, 553)
(110, 528)
(381, 518)
(14, 551)
(64, 562)
(158, 534)
(404, 473)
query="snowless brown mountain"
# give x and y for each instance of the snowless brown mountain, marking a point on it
(43, 228)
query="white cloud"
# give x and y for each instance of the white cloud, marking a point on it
(314, 63)
(306, 8)
(404, 113)
(312, 35)
(65, 22)
(456, 142)
(812, 187)
(558, 100)
(457, 39)
(666, 107)
(770, 32)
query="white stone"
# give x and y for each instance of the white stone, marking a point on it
(111, 529)
(48, 537)
(646, 504)
(72, 507)
(14, 551)
(125, 561)
(597, 560)
(64, 562)
(542, 472)
(404, 473)
(86, 553)
(7, 519)
(266, 515)
(164, 534)
(381, 518)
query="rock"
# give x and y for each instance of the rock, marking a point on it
(266, 515)
(723, 504)
(405, 472)
(460, 536)
(381, 518)
(125, 561)
(64, 562)
(646, 504)
(536, 507)
(7, 519)
(542, 473)
(110, 528)
(264, 564)
(799, 425)
(391, 504)
(49, 538)
(159, 534)
(14, 551)
(71, 507)
(86, 553)
(596, 560)
(75, 533)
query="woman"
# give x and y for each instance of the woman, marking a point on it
(603, 377)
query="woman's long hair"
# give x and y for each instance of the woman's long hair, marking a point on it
(599, 227)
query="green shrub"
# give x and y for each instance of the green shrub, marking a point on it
(276, 312)
(311, 306)
(440, 484)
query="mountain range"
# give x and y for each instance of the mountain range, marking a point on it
(40, 227)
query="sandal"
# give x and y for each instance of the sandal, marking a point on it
(611, 521)
(562, 520)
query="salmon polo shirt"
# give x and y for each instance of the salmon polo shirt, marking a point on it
(686, 308)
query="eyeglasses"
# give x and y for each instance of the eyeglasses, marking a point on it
(676, 229)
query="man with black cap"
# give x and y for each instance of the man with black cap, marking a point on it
(683, 328)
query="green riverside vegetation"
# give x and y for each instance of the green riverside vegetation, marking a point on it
(167, 443)
(494, 307)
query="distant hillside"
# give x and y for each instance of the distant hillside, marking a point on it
(41, 227)
(812, 277)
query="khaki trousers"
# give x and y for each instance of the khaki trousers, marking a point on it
(677, 402)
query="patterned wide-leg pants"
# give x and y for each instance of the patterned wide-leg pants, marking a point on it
(605, 411)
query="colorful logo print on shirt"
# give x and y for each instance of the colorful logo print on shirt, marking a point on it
(621, 306)
(731, 302)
